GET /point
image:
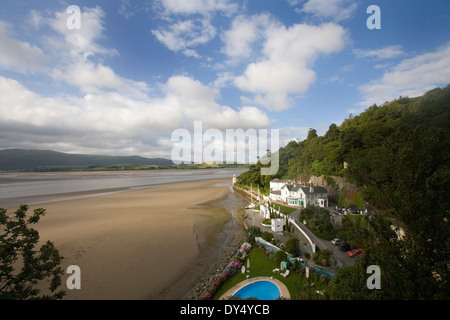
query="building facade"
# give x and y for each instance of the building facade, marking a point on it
(297, 194)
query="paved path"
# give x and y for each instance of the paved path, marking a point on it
(342, 258)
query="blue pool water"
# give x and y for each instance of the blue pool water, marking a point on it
(262, 290)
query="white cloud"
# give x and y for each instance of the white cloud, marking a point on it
(198, 102)
(113, 114)
(74, 52)
(244, 32)
(197, 6)
(81, 41)
(224, 79)
(18, 55)
(335, 10)
(286, 68)
(411, 77)
(185, 35)
(188, 23)
(110, 121)
(388, 52)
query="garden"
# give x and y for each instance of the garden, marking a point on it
(262, 263)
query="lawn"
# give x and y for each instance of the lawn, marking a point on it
(262, 265)
(284, 209)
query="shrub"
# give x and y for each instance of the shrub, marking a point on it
(279, 256)
(323, 257)
(267, 236)
(292, 246)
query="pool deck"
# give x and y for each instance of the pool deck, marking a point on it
(284, 292)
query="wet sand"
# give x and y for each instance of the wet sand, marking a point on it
(154, 243)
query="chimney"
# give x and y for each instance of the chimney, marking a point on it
(311, 188)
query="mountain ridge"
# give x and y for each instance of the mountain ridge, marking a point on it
(31, 159)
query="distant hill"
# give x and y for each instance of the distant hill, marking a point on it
(19, 159)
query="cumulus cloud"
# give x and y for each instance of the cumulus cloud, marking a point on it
(411, 77)
(286, 68)
(109, 120)
(188, 23)
(20, 56)
(109, 114)
(76, 54)
(82, 41)
(244, 33)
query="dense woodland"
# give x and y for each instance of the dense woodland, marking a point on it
(398, 157)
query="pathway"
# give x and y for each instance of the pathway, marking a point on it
(253, 218)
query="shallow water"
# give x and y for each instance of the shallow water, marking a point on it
(33, 188)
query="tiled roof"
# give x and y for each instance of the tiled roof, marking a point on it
(316, 190)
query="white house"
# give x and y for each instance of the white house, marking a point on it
(300, 195)
(277, 184)
(275, 195)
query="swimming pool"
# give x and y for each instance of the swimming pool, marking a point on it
(262, 290)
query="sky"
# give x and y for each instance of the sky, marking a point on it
(119, 77)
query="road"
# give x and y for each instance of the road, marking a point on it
(342, 257)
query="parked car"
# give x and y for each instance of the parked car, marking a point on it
(343, 246)
(355, 252)
(335, 240)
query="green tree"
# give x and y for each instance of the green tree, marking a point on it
(267, 236)
(292, 246)
(22, 265)
(279, 256)
(322, 257)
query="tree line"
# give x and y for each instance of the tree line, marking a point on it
(397, 154)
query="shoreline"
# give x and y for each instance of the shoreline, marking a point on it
(144, 244)
(216, 255)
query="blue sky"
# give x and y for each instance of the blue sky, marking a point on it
(135, 71)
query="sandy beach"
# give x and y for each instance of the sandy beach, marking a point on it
(154, 243)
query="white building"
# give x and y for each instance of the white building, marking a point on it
(277, 184)
(299, 195)
(278, 225)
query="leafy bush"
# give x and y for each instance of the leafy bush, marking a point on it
(267, 236)
(292, 246)
(254, 231)
(279, 256)
(22, 262)
(322, 257)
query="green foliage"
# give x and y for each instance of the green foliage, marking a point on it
(253, 179)
(359, 201)
(253, 232)
(279, 256)
(292, 246)
(397, 155)
(267, 236)
(322, 257)
(22, 265)
(318, 221)
(354, 230)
